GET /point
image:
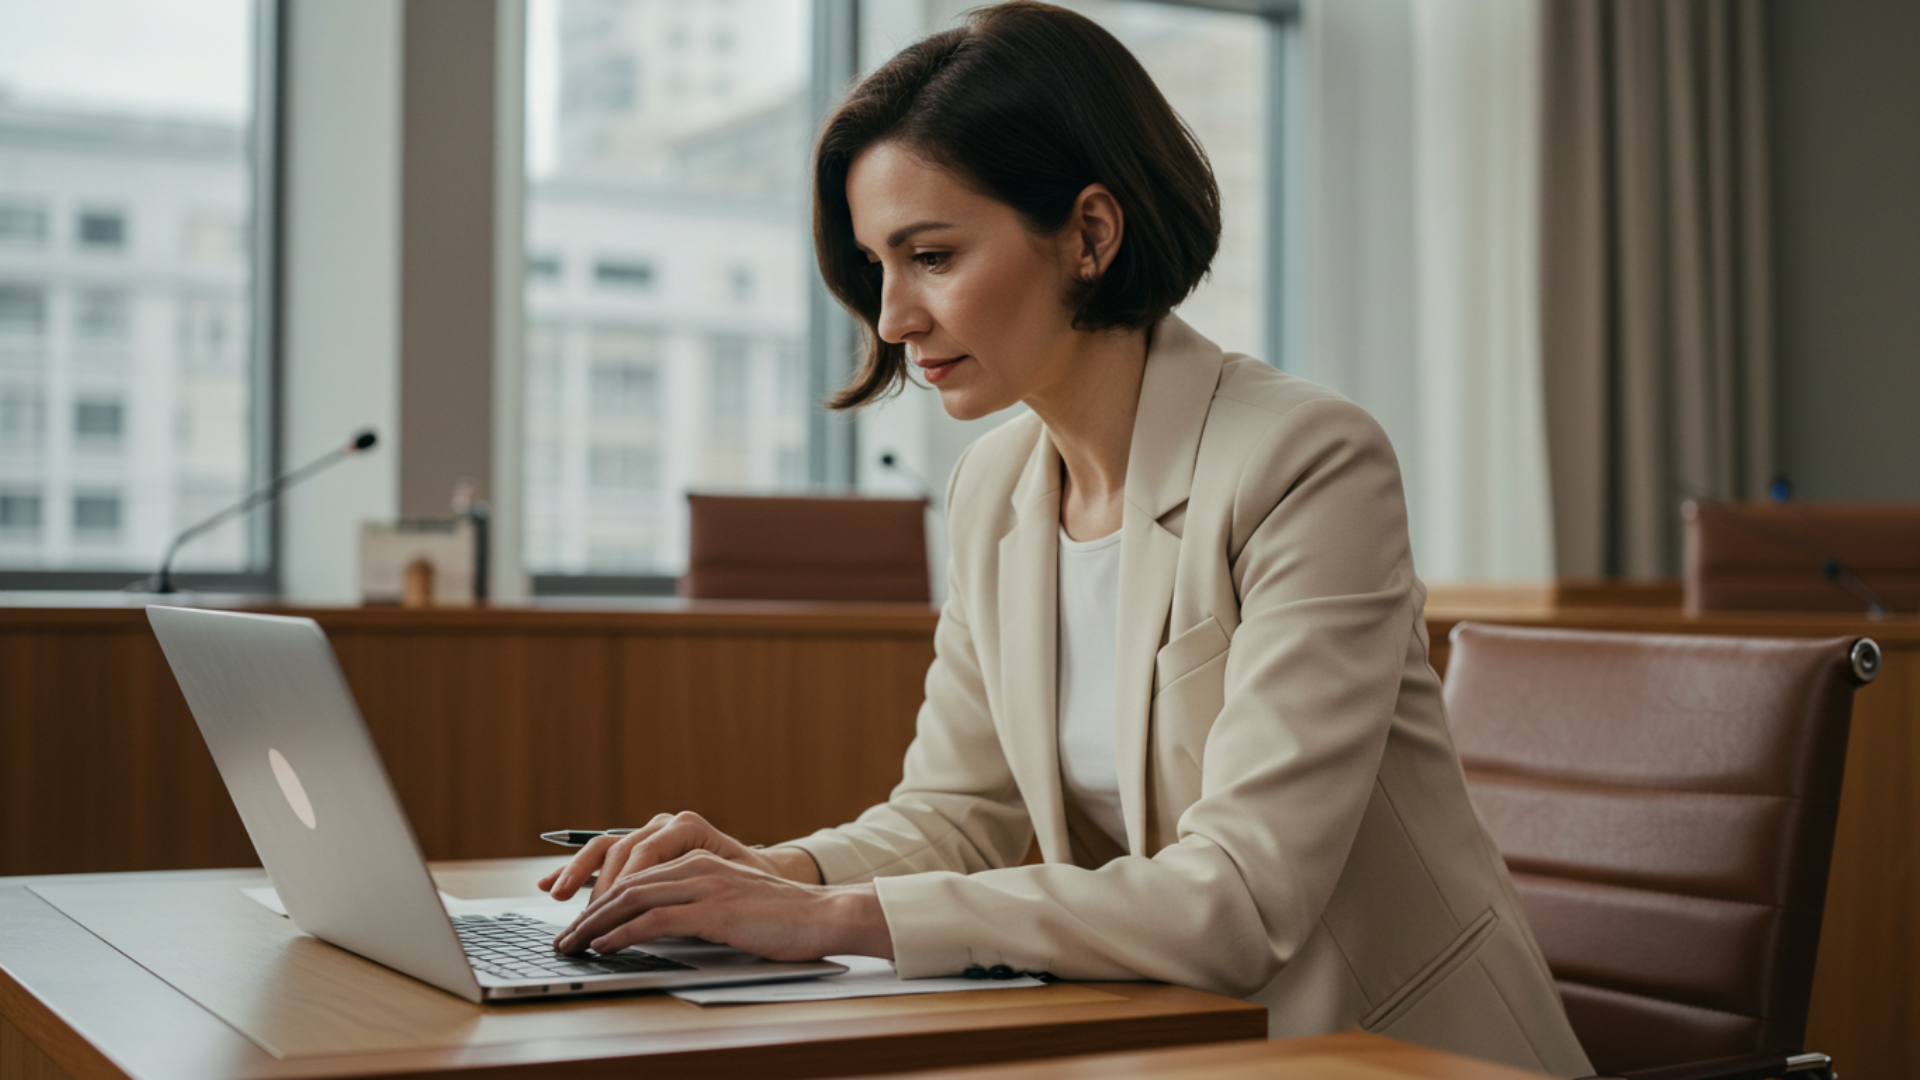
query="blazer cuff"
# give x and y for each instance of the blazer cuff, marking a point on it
(927, 939)
(837, 857)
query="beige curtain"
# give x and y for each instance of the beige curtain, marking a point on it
(1656, 335)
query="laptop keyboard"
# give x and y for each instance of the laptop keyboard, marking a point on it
(512, 946)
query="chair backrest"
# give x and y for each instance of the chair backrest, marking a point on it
(746, 547)
(1667, 807)
(1760, 556)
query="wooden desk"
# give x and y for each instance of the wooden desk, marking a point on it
(775, 720)
(1352, 1055)
(72, 1006)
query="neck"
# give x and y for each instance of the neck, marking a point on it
(1090, 419)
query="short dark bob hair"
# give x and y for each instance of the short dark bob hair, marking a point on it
(1029, 104)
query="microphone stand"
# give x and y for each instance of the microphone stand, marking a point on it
(162, 581)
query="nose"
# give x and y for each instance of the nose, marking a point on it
(902, 314)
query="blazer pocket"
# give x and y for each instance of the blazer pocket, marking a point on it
(1457, 952)
(1188, 652)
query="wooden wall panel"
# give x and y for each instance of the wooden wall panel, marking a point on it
(495, 726)
(101, 763)
(491, 739)
(768, 738)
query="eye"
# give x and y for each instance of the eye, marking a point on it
(932, 260)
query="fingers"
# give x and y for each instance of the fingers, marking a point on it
(662, 840)
(668, 920)
(665, 839)
(620, 859)
(565, 881)
(594, 858)
(633, 912)
(679, 882)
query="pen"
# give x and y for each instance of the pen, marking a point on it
(579, 837)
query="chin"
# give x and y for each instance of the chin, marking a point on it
(964, 406)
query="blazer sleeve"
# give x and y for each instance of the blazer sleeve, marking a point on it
(1327, 604)
(957, 807)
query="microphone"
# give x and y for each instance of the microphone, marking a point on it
(892, 461)
(162, 581)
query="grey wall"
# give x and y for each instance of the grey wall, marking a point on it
(448, 158)
(1846, 147)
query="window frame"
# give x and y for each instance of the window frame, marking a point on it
(264, 301)
(833, 439)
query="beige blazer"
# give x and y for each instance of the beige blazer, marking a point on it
(1298, 829)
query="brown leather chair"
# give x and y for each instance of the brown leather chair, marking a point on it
(749, 547)
(1667, 806)
(1762, 556)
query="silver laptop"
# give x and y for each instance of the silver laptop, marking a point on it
(316, 800)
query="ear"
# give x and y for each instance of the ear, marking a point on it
(1094, 231)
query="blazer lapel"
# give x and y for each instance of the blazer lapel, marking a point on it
(1029, 648)
(1183, 369)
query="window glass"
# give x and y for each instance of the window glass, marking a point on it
(23, 310)
(102, 230)
(19, 515)
(127, 379)
(22, 224)
(666, 161)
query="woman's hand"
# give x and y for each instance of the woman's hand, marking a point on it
(706, 895)
(666, 838)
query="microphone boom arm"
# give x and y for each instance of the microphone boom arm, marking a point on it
(162, 581)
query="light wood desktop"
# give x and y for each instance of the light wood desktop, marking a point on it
(176, 976)
(1351, 1055)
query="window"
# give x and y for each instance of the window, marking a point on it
(102, 230)
(658, 130)
(102, 314)
(22, 224)
(96, 515)
(624, 468)
(23, 417)
(659, 127)
(627, 273)
(19, 513)
(130, 403)
(23, 310)
(206, 325)
(98, 421)
(212, 237)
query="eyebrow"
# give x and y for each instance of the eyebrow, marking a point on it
(904, 233)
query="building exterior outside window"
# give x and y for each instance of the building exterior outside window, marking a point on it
(668, 160)
(127, 377)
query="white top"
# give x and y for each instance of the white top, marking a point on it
(1089, 629)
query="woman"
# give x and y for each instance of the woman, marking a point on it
(1183, 646)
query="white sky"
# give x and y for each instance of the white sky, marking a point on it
(191, 57)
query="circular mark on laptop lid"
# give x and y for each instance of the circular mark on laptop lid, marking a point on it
(290, 787)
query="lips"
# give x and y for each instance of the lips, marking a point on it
(935, 370)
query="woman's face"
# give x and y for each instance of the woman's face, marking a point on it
(976, 298)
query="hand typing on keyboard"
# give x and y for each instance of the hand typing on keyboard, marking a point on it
(681, 877)
(512, 946)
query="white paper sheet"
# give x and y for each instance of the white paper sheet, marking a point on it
(865, 977)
